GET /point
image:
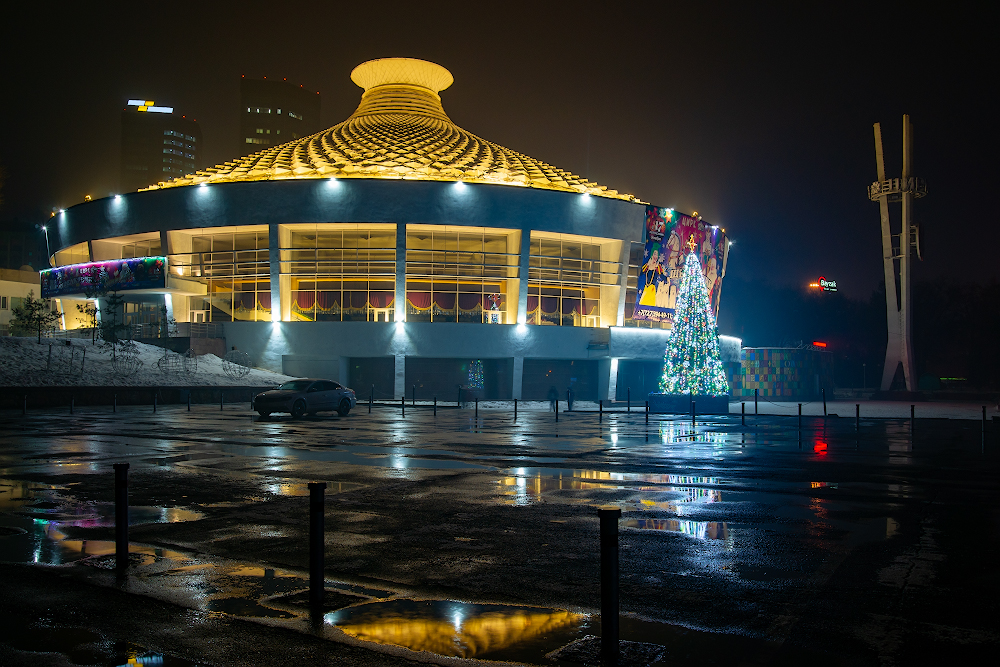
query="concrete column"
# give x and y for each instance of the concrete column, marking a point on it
(518, 382)
(164, 245)
(613, 380)
(522, 292)
(623, 282)
(400, 305)
(274, 255)
(399, 387)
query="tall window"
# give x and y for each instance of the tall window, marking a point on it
(461, 274)
(573, 280)
(233, 265)
(338, 272)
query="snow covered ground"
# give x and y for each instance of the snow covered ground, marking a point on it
(26, 363)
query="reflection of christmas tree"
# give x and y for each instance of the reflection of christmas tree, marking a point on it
(692, 364)
(476, 375)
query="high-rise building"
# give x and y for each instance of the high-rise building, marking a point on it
(157, 145)
(273, 112)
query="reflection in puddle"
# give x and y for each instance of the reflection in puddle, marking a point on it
(703, 530)
(302, 488)
(454, 628)
(40, 516)
(525, 486)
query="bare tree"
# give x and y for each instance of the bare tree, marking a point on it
(33, 315)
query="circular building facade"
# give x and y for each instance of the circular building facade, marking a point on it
(394, 252)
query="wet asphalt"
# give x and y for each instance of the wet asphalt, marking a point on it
(757, 544)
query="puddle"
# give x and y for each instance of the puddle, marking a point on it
(463, 630)
(524, 486)
(396, 457)
(34, 518)
(702, 530)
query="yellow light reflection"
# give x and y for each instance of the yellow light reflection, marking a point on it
(468, 636)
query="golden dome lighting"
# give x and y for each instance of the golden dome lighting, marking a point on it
(399, 131)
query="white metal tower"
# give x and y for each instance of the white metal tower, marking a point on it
(896, 253)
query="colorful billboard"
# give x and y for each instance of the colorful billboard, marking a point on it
(669, 236)
(111, 276)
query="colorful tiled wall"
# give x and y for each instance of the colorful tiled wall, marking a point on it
(781, 372)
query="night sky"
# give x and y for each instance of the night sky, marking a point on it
(760, 119)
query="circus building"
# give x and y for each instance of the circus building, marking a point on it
(398, 253)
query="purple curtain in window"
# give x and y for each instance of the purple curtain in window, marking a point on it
(357, 300)
(532, 304)
(469, 301)
(245, 300)
(264, 300)
(419, 300)
(327, 300)
(305, 300)
(444, 300)
(550, 304)
(380, 299)
(590, 306)
(570, 305)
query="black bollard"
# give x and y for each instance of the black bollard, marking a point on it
(458, 403)
(317, 585)
(824, 402)
(515, 409)
(628, 399)
(413, 396)
(755, 402)
(477, 407)
(435, 406)
(402, 405)
(694, 411)
(647, 412)
(857, 417)
(743, 413)
(154, 404)
(557, 410)
(600, 411)
(121, 516)
(800, 416)
(608, 517)
(189, 401)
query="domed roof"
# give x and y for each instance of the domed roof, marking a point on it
(399, 131)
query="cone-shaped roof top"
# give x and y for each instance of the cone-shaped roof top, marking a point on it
(399, 131)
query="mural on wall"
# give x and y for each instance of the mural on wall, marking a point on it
(112, 275)
(668, 238)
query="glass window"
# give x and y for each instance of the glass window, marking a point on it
(573, 280)
(461, 274)
(338, 272)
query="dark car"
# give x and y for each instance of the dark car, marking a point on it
(306, 396)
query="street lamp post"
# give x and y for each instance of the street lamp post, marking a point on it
(48, 253)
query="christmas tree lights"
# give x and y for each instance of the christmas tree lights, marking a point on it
(692, 363)
(476, 377)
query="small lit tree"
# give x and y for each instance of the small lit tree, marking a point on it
(692, 363)
(34, 315)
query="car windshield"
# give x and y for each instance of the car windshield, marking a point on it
(296, 385)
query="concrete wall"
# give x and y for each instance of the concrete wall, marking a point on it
(326, 348)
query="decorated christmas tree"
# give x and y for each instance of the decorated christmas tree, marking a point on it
(692, 364)
(476, 377)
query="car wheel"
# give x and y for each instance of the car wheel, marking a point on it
(264, 414)
(298, 408)
(345, 407)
